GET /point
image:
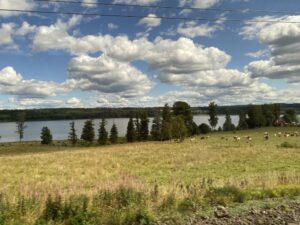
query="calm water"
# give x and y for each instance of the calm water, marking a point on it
(60, 129)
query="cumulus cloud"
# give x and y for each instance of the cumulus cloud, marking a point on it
(150, 21)
(15, 4)
(13, 83)
(283, 41)
(198, 3)
(106, 75)
(192, 29)
(6, 35)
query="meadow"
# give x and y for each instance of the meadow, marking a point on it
(141, 183)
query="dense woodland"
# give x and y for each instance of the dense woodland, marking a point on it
(93, 113)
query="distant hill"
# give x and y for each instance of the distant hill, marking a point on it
(93, 113)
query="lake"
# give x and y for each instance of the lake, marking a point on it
(60, 129)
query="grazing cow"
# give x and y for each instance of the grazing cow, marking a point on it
(192, 140)
(236, 138)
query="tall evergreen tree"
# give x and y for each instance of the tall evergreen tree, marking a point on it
(255, 116)
(213, 115)
(88, 132)
(21, 126)
(102, 133)
(144, 129)
(228, 125)
(243, 125)
(268, 113)
(46, 136)
(137, 123)
(72, 134)
(113, 134)
(131, 133)
(166, 130)
(156, 128)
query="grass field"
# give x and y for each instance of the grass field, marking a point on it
(160, 178)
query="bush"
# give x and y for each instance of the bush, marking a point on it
(225, 195)
(46, 136)
(204, 128)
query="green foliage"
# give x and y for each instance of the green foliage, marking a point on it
(131, 132)
(102, 133)
(166, 130)
(186, 206)
(225, 195)
(212, 112)
(46, 136)
(113, 134)
(184, 110)
(204, 128)
(290, 116)
(88, 132)
(255, 116)
(156, 128)
(137, 124)
(72, 134)
(21, 126)
(243, 125)
(268, 113)
(144, 129)
(228, 125)
(179, 130)
(289, 145)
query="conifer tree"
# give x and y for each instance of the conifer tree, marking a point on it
(113, 134)
(102, 133)
(131, 133)
(228, 125)
(46, 136)
(156, 128)
(243, 125)
(88, 132)
(72, 134)
(212, 112)
(166, 130)
(21, 126)
(144, 129)
(137, 123)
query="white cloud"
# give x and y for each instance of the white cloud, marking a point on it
(13, 83)
(199, 3)
(283, 41)
(150, 21)
(74, 102)
(15, 4)
(6, 35)
(192, 29)
(258, 54)
(107, 75)
(112, 26)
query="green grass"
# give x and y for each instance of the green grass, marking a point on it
(161, 178)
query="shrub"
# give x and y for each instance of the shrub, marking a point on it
(46, 136)
(225, 195)
(204, 128)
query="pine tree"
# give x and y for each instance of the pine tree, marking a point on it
(156, 128)
(72, 134)
(144, 129)
(46, 136)
(243, 125)
(113, 134)
(102, 133)
(21, 126)
(166, 130)
(131, 133)
(228, 125)
(212, 112)
(137, 123)
(88, 132)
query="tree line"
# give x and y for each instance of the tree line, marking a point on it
(174, 122)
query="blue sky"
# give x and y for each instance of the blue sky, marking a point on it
(79, 61)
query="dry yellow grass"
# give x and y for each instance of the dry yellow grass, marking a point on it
(37, 170)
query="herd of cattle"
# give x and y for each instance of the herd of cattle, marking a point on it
(266, 136)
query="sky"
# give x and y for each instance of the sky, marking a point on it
(55, 60)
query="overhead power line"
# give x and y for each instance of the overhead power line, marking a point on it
(169, 7)
(150, 17)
